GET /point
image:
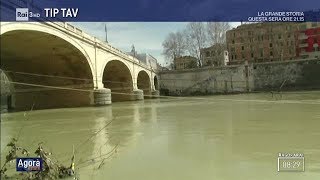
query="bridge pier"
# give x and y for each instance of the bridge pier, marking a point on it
(155, 94)
(102, 97)
(46, 98)
(138, 94)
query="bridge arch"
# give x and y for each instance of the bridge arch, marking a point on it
(144, 83)
(117, 77)
(155, 83)
(101, 70)
(37, 54)
(33, 26)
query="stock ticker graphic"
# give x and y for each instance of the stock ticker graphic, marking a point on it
(28, 164)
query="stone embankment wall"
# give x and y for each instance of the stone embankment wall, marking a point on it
(271, 76)
(209, 80)
(290, 75)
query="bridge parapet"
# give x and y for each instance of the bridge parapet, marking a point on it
(104, 45)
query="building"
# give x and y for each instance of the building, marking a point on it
(185, 62)
(308, 45)
(148, 59)
(216, 55)
(144, 58)
(261, 42)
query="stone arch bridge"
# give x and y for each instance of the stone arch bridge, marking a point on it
(54, 64)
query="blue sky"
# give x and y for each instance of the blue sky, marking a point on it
(147, 37)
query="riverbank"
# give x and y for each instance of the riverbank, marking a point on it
(293, 75)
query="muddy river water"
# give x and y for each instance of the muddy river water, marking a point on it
(195, 138)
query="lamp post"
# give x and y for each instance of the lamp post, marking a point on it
(106, 31)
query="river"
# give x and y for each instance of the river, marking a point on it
(193, 138)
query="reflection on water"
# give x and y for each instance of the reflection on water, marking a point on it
(218, 137)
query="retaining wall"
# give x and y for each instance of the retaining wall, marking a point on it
(285, 75)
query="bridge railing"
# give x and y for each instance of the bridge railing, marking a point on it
(103, 44)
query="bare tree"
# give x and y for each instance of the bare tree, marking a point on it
(195, 35)
(217, 32)
(174, 46)
(217, 37)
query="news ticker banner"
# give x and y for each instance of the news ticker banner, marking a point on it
(161, 10)
(286, 162)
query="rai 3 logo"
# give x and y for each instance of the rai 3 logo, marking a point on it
(23, 14)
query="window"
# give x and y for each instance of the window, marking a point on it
(232, 41)
(279, 36)
(314, 24)
(270, 44)
(242, 56)
(235, 56)
(232, 57)
(242, 48)
(207, 54)
(271, 53)
(303, 27)
(251, 55)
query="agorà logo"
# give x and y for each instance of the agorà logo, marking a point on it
(29, 164)
(23, 14)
